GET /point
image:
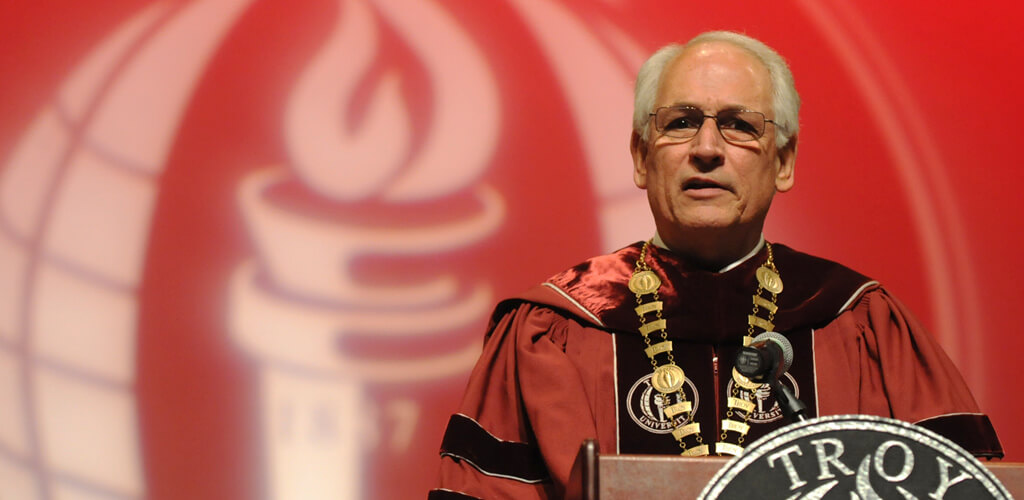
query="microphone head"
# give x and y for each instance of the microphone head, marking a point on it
(782, 342)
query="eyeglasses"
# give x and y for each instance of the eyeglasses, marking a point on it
(735, 125)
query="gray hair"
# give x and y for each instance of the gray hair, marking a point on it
(785, 99)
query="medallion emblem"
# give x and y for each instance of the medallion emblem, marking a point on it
(668, 378)
(644, 282)
(657, 412)
(769, 279)
(744, 382)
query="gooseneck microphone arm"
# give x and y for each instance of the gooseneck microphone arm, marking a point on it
(792, 408)
(764, 361)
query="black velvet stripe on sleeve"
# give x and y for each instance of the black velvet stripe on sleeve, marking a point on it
(465, 439)
(971, 431)
(438, 494)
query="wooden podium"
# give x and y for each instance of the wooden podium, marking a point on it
(614, 477)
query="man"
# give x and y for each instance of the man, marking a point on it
(636, 348)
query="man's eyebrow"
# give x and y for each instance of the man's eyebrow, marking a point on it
(727, 107)
(679, 104)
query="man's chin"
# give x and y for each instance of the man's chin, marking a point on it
(710, 220)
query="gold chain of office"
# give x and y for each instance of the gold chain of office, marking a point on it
(668, 378)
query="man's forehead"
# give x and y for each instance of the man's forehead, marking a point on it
(717, 50)
(717, 74)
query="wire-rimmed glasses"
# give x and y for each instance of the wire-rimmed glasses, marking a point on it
(735, 125)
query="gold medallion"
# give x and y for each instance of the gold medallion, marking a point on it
(744, 382)
(769, 279)
(668, 378)
(644, 282)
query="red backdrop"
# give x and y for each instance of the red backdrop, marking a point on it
(247, 249)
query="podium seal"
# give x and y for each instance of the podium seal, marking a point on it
(854, 457)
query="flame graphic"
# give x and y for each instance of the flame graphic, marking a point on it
(351, 166)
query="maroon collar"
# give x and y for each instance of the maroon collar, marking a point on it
(700, 306)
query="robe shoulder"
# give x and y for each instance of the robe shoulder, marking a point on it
(882, 361)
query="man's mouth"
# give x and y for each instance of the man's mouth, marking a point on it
(701, 184)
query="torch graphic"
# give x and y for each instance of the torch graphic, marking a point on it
(330, 337)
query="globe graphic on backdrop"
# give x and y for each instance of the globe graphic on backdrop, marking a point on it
(79, 191)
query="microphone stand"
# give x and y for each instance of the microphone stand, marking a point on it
(792, 408)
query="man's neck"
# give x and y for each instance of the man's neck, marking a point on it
(706, 255)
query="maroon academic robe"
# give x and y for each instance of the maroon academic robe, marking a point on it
(564, 362)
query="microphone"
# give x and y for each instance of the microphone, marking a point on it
(764, 361)
(766, 358)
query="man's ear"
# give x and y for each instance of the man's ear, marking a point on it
(638, 148)
(785, 177)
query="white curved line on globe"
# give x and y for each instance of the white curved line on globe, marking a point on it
(139, 116)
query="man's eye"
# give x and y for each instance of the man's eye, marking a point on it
(681, 123)
(736, 123)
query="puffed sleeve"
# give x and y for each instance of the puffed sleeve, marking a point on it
(523, 408)
(877, 359)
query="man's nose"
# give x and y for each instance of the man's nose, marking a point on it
(708, 146)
